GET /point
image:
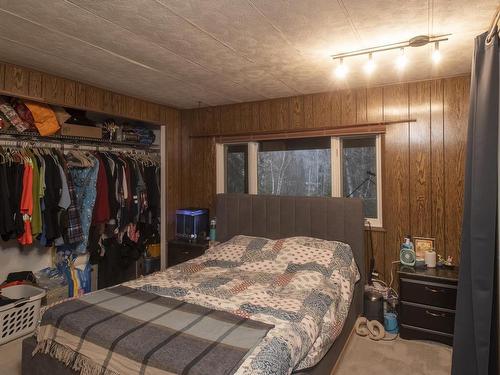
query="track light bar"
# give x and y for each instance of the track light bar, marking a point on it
(418, 41)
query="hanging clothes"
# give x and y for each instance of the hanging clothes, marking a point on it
(81, 202)
(123, 190)
(26, 207)
(51, 229)
(101, 214)
(36, 216)
(6, 212)
(84, 180)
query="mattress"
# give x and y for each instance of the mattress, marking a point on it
(301, 286)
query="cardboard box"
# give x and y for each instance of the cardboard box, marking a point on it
(81, 131)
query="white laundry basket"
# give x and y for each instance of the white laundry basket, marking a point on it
(20, 317)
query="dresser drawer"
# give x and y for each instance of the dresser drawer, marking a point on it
(414, 333)
(436, 319)
(428, 293)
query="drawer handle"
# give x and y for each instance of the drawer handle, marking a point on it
(434, 290)
(438, 315)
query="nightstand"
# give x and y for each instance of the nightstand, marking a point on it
(181, 251)
(427, 303)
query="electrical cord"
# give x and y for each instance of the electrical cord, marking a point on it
(392, 272)
(384, 284)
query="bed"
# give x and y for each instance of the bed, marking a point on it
(271, 217)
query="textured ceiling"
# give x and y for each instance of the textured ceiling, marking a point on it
(182, 52)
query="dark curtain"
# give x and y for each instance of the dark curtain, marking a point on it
(475, 338)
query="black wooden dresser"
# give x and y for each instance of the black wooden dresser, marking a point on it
(427, 303)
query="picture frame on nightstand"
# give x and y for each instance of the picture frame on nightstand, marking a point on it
(423, 244)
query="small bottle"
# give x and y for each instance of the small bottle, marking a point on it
(212, 234)
(407, 244)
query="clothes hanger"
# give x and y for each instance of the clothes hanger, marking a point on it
(73, 160)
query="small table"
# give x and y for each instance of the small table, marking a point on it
(180, 251)
(427, 303)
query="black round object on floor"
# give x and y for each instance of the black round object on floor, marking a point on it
(374, 306)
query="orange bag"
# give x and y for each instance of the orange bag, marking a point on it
(154, 250)
(45, 118)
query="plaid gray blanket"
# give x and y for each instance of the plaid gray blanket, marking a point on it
(129, 331)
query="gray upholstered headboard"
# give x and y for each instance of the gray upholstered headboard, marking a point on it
(270, 216)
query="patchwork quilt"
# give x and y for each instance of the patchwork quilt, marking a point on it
(295, 294)
(301, 285)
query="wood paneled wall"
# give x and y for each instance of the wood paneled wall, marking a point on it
(423, 161)
(31, 84)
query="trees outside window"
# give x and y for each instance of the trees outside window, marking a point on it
(236, 168)
(359, 171)
(325, 166)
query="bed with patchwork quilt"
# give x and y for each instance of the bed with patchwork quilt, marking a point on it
(248, 306)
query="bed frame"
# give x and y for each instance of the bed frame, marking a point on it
(274, 217)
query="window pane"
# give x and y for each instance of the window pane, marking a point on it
(359, 168)
(236, 169)
(300, 167)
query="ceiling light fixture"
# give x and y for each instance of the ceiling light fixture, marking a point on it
(418, 41)
(436, 54)
(369, 65)
(402, 60)
(341, 71)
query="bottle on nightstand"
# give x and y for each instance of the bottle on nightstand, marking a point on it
(212, 232)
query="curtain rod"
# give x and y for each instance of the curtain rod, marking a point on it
(493, 26)
(342, 129)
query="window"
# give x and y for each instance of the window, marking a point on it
(233, 176)
(325, 166)
(359, 172)
(295, 167)
(236, 177)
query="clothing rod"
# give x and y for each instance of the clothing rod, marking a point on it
(33, 137)
(65, 147)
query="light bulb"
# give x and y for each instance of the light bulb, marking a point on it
(436, 54)
(402, 60)
(370, 65)
(341, 70)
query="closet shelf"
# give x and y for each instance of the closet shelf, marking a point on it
(9, 135)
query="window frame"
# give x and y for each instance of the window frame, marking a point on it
(337, 172)
(336, 165)
(251, 163)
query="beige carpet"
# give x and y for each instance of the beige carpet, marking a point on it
(362, 356)
(402, 357)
